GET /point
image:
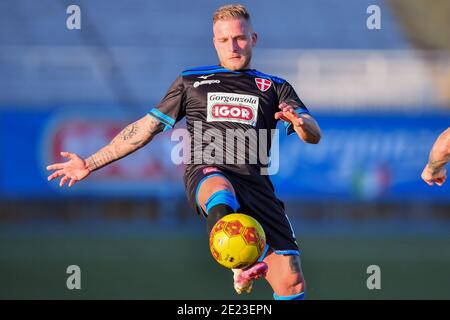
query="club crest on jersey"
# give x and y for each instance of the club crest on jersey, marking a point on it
(232, 107)
(263, 84)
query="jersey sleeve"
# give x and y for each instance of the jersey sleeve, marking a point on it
(288, 95)
(171, 108)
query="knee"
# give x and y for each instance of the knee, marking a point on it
(209, 187)
(208, 191)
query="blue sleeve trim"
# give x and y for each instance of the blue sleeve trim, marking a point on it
(166, 118)
(288, 252)
(301, 110)
(166, 126)
(286, 127)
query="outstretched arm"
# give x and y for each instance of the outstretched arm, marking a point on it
(130, 139)
(434, 171)
(304, 125)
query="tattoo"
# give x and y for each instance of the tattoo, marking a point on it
(129, 131)
(133, 137)
(294, 263)
(100, 159)
(91, 164)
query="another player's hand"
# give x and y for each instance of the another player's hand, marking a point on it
(288, 114)
(434, 176)
(75, 169)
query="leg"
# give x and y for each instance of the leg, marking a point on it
(285, 276)
(217, 198)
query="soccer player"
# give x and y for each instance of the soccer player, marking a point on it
(223, 97)
(434, 171)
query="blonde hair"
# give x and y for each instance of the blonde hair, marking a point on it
(231, 11)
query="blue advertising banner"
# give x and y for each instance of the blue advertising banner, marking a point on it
(31, 141)
(360, 157)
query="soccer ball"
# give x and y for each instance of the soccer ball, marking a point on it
(237, 241)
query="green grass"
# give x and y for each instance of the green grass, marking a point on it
(180, 267)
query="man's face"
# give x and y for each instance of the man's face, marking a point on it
(234, 40)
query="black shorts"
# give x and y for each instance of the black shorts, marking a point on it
(256, 197)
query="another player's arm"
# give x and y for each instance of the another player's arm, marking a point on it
(130, 139)
(304, 124)
(434, 171)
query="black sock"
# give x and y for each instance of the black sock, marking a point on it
(216, 213)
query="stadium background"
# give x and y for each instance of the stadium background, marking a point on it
(356, 199)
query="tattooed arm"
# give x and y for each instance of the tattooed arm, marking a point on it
(130, 139)
(434, 171)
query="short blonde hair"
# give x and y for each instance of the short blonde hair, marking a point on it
(231, 11)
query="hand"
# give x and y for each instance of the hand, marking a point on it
(304, 125)
(288, 114)
(434, 176)
(75, 169)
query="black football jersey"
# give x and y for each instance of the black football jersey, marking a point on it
(229, 115)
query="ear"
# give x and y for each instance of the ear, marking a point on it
(254, 38)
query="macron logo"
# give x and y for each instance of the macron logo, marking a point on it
(206, 76)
